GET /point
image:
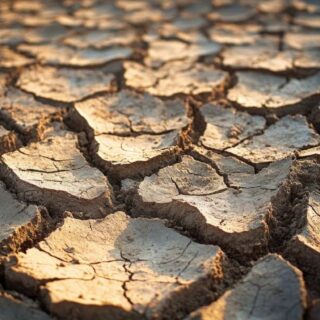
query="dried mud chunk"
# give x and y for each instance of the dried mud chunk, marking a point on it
(117, 268)
(308, 59)
(139, 76)
(273, 6)
(280, 140)
(12, 59)
(232, 13)
(230, 33)
(11, 36)
(189, 177)
(304, 247)
(182, 77)
(44, 34)
(186, 28)
(32, 20)
(196, 8)
(132, 134)
(306, 5)
(225, 127)
(307, 19)
(310, 152)
(8, 140)
(25, 114)
(124, 157)
(129, 6)
(92, 22)
(193, 37)
(20, 222)
(233, 218)
(273, 290)
(161, 51)
(269, 92)
(67, 56)
(149, 14)
(198, 80)
(27, 7)
(16, 307)
(64, 85)
(274, 24)
(55, 173)
(15, 35)
(183, 24)
(98, 10)
(227, 166)
(100, 38)
(302, 40)
(127, 112)
(263, 55)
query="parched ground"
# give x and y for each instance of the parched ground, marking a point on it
(160, 160)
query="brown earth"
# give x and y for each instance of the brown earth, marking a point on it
(160, 159)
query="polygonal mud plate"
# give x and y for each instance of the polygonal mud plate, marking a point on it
(67, 56)
(117, 268)
(64, 85)
(25, 114)
(100, 38)
(131, 134)
(53, 172)
(226, 127)
(178, 77)
(272, 290)
(12, 59)
(232, 13)
(162, 51)
(127, 112)
(192, 194)
(262, 92)
(231, 34)
(260, 55)
(282, 139)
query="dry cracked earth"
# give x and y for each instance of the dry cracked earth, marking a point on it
(160, 160)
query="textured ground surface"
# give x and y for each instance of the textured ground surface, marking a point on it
(160, 160)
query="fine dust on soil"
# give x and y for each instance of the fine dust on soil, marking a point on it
(160, 159)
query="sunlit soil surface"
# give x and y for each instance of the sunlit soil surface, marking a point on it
(160, 160)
